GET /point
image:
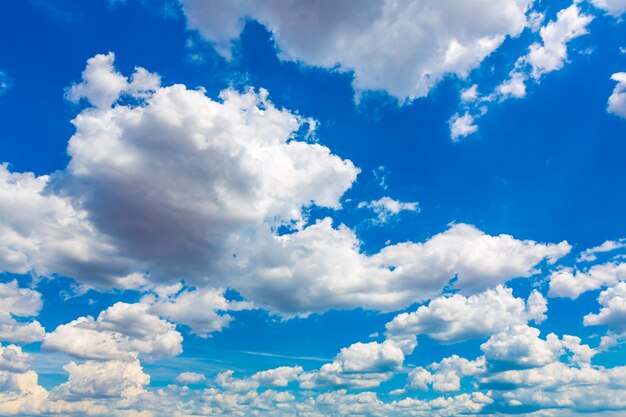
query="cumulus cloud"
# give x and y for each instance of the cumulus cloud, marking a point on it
(445, 37)
(457, 318)
(519, 347)
(590, 255)
(613, 311)
(175, 185)
(201, 308)
(97, 379)
(120, 332)
(446, 375)
(571, 282)
(190, 378)
(613, 7)
(277, 377)
(22, 303)
(617, 100)
(387, 208)
(461, 126)
(551, 54)
(321, 267)
(13, 359)
(361, 365)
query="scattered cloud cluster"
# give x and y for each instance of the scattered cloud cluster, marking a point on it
(437, 39)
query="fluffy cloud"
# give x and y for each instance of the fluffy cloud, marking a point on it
(94, 379)
(23, 303)
(445, 375)
(386, 208)
(617, 100)
(590, 255)
(120, 332)
(176, 185)
(461, 126)
(197, 308)
(456, 318)
(613, 311)
(570, 282)
(190, 378)
(208, 172)
(277, 377)
(321, 267)
(552, 53)
(361, 365)
(12, 359)
(445, 37)
(519, 347)
(613, 7)
(47, 235)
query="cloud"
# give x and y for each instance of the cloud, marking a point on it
(190, 378)
(277, 377)
(571, 282)
(519, 347)
(613, 311)
(13, 359)
(590, 255)
(441, 38)
(445, 376)
(617, 100)
(452, 319)
(552, 53)
(321, 267)
(387, 208)
(96, 379)
(120, 332)
(22, 303)
(361, 365)
(613, 7)
(461, 126)
(542, 58)
(197, 308)
(174, 185)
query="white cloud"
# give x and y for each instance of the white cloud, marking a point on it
(120, 332)
(552, 53)
(176, 185)
(446, 375)
(519, 347)
(613, 7)
(102, 85)
(277, 377)
(570, 282)
(617, 100)
(437, 38)
(190, 378)
(321, 267)
(48, 235)
(613, 311)
(197, 308)
(461, 126)
(470, 94)
(456, 318)
(23, 303)
(386, 208)
(13, 359)
(589, 255)
(95, 379)
(361, 365)
(515, 86)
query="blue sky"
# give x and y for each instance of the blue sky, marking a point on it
(312, 209)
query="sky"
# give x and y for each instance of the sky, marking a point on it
(307, 209)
